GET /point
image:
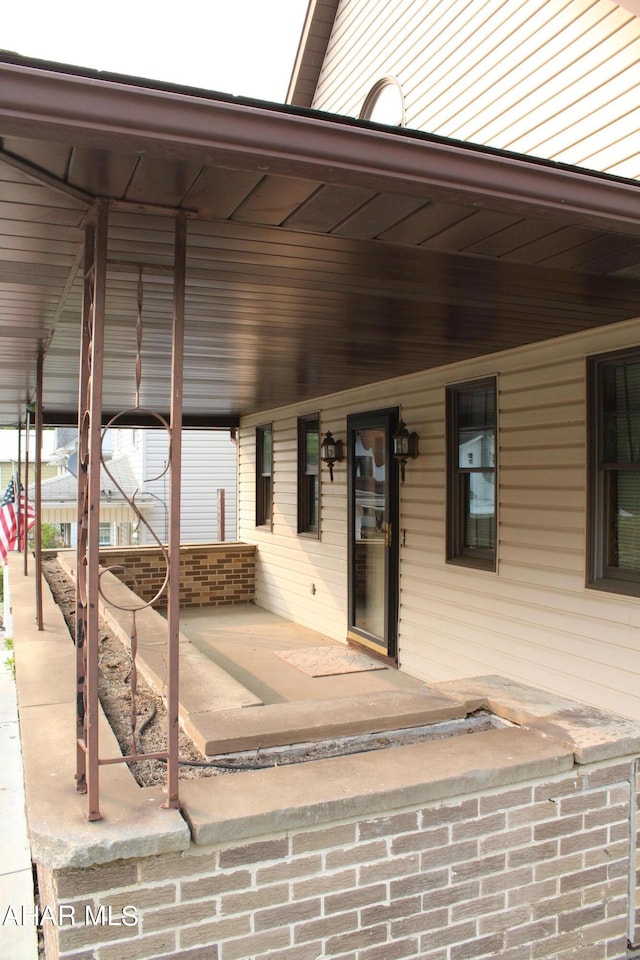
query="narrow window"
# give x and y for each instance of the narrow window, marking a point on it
(613, 436)
(471, 474)
(264, 470)
(104, 535)
(309, 475)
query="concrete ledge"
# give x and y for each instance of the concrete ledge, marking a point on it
(204, 686)
(592, 734)
(261, 802)
(273, 724)
(133, 824)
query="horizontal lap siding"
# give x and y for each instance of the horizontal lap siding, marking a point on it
(533, 619)
(208, 465)
(288, 565)
(555, 79)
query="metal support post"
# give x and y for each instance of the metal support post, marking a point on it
(22, 536)
(91, 439)
(38, 494)
(83, 508)
(173, 612)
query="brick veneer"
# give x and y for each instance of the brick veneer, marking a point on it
(528, 872)
(210, 574)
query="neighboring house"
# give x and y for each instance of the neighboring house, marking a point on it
(208, 482)
(9, 467)
(12, 451)
(117, 519)
(135, 461)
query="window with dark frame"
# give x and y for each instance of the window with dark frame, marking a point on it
(613, 434)
(264, 471)
(471, 474)
(309, 475)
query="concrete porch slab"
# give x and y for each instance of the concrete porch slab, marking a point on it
(296, 722)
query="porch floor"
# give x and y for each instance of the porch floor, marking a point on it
(246, 641)
(253, 647)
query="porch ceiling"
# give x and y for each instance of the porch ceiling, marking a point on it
(322, 253)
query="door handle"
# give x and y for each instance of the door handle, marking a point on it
(388, 533)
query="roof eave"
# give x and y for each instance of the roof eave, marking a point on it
(50, 105)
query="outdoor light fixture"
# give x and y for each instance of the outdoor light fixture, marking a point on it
(405, 446)
(331, 451)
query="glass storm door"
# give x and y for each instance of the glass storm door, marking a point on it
(373, 531)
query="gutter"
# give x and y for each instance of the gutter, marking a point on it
(188, 125)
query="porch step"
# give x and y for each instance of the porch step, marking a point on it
(279, 724)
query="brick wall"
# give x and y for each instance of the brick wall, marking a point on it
(210, 574)
(531, 872)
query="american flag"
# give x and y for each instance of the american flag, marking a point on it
(9, 520)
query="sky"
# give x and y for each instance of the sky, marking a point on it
(242, 47)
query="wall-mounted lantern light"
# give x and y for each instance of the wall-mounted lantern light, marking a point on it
(405, 446)
(331, 451)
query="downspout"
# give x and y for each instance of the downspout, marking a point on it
(633, 828)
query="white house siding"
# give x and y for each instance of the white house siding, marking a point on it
(554, 78)
(534, 619)
(208, 465)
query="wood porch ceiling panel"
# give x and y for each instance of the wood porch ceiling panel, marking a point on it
(264, 303)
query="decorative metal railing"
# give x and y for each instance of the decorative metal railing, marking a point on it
(89, 576)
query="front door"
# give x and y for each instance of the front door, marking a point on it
(373, 531)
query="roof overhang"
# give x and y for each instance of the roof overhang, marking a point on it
(309, 235)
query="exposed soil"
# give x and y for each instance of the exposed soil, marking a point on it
(114, 688)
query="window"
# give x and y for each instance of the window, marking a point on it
(309, 475)
(384, 103)
(471, 475)
(613, 542)
(105, 538)
(264, 469)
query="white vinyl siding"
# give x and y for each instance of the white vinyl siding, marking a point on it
(208, 464)
(554, 78)
(533, 619)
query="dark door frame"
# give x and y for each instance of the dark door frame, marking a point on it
(387, 417)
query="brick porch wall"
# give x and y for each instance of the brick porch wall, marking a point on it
(210, 574)
(532, 872)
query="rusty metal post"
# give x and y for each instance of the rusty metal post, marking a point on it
(22, 538)
(18, 477)
(38, 494)
(173, 611)
(221, 514)
(92, 427)
(83, 508)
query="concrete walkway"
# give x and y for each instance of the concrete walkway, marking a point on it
(17, 942)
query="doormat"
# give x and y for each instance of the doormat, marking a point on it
(329, 661)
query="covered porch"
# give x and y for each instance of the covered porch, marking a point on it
(219, 259)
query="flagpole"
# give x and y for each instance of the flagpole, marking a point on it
(18, 473)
